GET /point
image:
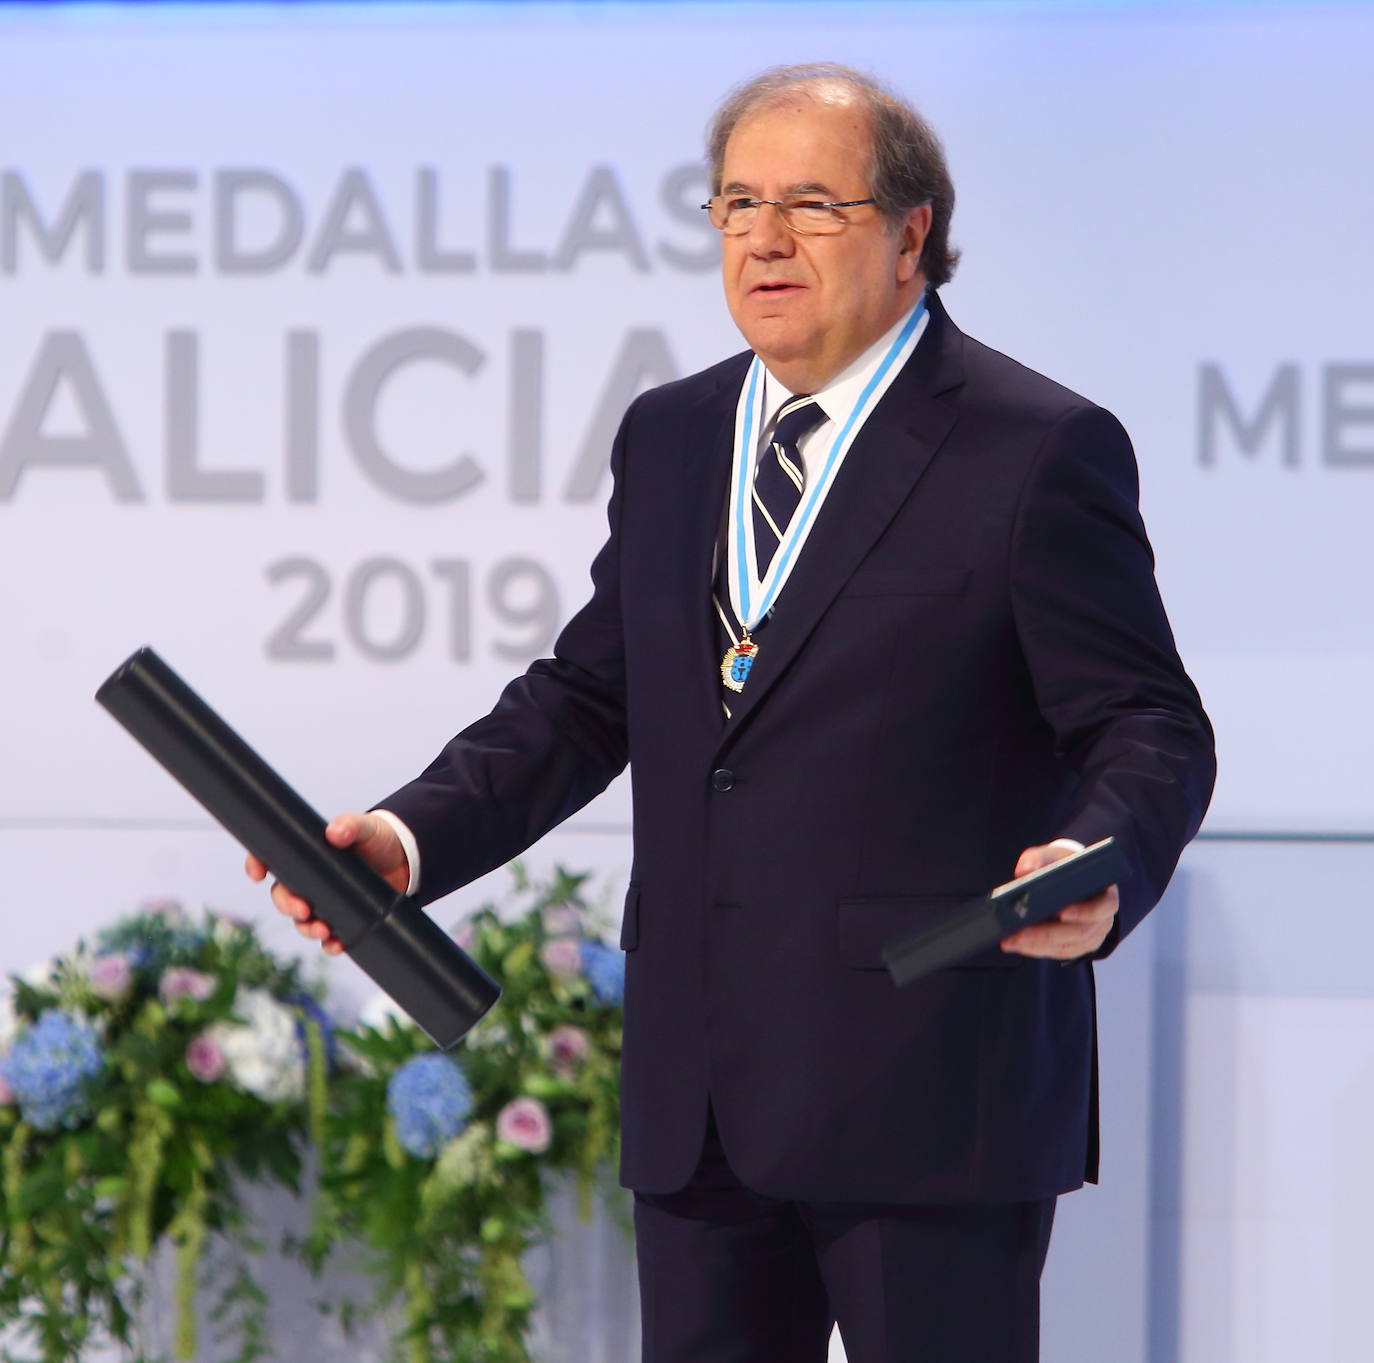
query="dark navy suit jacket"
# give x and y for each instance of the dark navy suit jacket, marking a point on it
(970, 657)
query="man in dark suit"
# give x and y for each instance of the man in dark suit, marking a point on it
(875, 627)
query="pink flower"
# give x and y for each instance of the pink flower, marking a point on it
(567, 1050)
(524, 1123)
(181, 982)
(204, 1059)
(561, 919)
(465, 934)
(168, 910)
(562, 957)
(6, 1092)
(111, 977)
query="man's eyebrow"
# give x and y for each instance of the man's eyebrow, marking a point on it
(802, 187)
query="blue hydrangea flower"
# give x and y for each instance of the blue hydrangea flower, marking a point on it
(308, 1010)
(52, 1069)
(153, 939)
(604, 968)
(429, 1100)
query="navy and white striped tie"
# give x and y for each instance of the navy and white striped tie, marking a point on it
(781, 476)
(778, 483)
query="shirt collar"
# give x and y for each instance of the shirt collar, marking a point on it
(836, 398)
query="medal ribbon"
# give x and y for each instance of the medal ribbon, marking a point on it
(747, 612)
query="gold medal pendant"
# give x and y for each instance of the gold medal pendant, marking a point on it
(739, 658)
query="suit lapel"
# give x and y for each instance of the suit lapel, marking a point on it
(707, 442)
(884, 464)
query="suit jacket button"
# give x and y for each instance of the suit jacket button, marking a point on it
(722, 779)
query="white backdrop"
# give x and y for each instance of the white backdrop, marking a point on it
(315, 322)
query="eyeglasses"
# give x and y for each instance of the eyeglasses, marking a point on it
(735, 214)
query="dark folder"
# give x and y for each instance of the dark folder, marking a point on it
(981, 923)
(387, 934)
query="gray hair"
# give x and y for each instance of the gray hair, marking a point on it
(908, 164)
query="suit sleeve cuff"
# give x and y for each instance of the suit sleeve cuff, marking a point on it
(408, 845)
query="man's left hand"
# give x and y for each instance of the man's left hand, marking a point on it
(1076, 930)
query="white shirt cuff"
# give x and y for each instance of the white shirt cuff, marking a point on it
(408, 845)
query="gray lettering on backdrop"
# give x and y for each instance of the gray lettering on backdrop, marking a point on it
(1341, 416)
(405, 613)
(683, 190)
(526, 415)
(145, 222)
(354, 197)
(1278, 408)
(601, 198)
(186, 480)
(644, 362)
(302, 416)
(360, 413)
(62, 356)
(430, 257)
(84, 208)
(523, 592)
(233, 258)
(504, 258)
(258, 223)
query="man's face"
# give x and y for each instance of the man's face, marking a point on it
(809, 305)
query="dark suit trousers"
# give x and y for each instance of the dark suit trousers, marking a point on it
(727, 1275)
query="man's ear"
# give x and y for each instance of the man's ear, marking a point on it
(915, 229)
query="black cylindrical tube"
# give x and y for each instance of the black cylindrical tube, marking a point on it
(387, 934)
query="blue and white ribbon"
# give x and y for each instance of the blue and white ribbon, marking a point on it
(750, 606)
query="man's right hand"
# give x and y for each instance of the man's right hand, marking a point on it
(372, 839)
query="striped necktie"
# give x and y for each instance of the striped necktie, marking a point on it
(781, 476)
(778, 483)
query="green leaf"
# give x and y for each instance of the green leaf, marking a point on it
(543, 1086)
(518, 960)
(164, 1093)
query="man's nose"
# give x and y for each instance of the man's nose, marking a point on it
(769, 237)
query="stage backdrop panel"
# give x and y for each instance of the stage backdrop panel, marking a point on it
(316, 323)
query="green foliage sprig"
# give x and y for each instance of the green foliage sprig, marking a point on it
(444, 1182)
(145, 1078)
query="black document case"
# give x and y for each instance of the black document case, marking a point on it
(387, 934)
(981, 923)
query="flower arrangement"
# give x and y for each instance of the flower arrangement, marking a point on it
(144, 1079)
(141, 1079)
(438, 1163)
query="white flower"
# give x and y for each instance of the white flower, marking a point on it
(227, 928)
(9, 1021)
(488, 1035)
(562, 920)
(262, 1053)
(381, 1009)
(43, 975)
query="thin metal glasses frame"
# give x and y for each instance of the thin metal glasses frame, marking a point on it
(784, 207)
